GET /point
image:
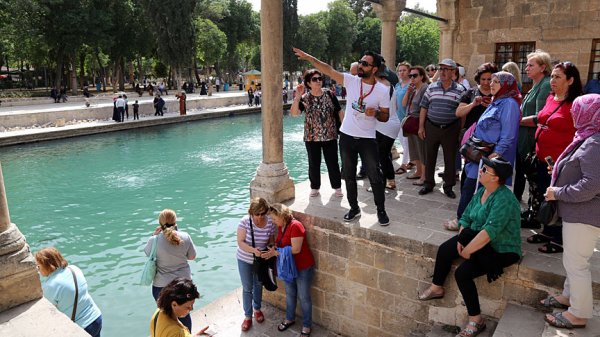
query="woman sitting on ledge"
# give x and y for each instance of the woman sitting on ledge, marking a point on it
(489, 240)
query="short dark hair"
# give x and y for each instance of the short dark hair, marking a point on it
(308, 75)
(180, 290)
(488, 67)
(571, 72)
(422, 72)
(376, 58)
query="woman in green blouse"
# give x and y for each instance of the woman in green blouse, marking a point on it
(489, 240)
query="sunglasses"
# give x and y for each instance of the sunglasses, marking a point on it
(486, 170)
(316, 79)
(413, 75)
(365, 63)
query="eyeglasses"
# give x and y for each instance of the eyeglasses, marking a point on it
(446, 69)
(316, 79)
(365, 63)
(486, 170)
(413, 75)
(431, 69)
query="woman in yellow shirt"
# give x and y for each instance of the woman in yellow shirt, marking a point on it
(175, 300)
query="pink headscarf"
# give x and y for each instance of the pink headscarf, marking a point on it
(586, 115)
(508, 87)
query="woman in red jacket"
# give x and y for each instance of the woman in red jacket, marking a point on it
(554, 133)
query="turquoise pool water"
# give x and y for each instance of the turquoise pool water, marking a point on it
(97, 199)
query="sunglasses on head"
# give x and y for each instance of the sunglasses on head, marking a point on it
(413, 75)
(365, 63)
(316, 78)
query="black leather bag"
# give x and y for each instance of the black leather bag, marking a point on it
(265, 269)
(548, 213)
(474, 149)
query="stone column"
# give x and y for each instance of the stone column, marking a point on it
(447, 9)
(272, 180)
(19, 280)
(388, 11)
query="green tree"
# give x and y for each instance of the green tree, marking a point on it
(361, 8)
(368, 36)
(174, 33)
(290, 32)
(418, 40)
(312, 34)
(239, 26)
(211, 42)
(341, 26)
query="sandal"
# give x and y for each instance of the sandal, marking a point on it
(413, 176)
(400, 170)
(473, 329)
(429, 295)
(260, 317)
(246, 324)
(451, 225)
(390, 185)
(284, 326)
(561, 321)
(409, 166)
(305, 334)
(538, 238)
(418, 183)
(550, 248)
(551, 302)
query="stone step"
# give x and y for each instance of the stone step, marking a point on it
(520, 321)
(444, 330)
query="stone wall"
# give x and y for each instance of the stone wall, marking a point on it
(565, 29)
(367, 281)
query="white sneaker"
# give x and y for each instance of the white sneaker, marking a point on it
(339, 193)
(314, 193)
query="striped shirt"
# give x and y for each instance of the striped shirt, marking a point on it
(441, 104)
(261, 237)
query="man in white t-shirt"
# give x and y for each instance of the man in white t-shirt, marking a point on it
(367, 102)
(120, 104)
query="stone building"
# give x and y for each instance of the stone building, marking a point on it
(481, 31)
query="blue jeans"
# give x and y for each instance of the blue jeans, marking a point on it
(466, 194)
(186, 321)
(251, 288)
(94, 328)
(300, 288)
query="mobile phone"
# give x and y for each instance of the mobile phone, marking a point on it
(549, 161)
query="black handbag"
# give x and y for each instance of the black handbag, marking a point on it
(265, 269)
(548, 212)
(474, 149)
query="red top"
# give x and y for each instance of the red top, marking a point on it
(558, 132)
(304, 259)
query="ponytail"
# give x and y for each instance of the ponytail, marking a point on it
(168, 222)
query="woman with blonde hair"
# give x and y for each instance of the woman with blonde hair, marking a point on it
(513, 68)
(173, 250)
(65, 285)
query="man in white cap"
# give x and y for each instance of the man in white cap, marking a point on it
(438, 125)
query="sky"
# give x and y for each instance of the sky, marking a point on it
(313, 6)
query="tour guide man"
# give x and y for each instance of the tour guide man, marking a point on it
(368, 101)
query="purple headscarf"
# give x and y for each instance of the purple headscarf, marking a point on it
(508, 87)
(586, 115)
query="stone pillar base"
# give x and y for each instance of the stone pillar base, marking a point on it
(272, 182)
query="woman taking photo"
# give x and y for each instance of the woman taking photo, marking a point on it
(554, 133)
(322, 111)
(291, 232)
(418, 84)
(254, 233)
(576, 187)
(176, 300)
(489, 241)
(538, 69)
(65, 285)
(173, 250)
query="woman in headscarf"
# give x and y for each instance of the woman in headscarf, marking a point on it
(499, 125)
(576, 186)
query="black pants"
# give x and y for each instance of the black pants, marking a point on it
(465, 273)
(448, 138)
(350, 149)
(537, 188)
(384, 145)
(329, 150)
(519, 179)
(135, 115)
(121, 112)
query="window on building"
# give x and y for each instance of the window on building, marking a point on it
(594, 60)
(516, 52)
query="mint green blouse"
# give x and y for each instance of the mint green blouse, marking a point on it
(533, 102)
(499, 216)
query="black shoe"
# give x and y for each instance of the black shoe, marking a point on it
(352, 214)
(530, 223)
(450, 193)
(360, 176)
(440, 174)
(424, 190)
(383, 218)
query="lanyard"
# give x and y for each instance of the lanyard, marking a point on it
(362, 97)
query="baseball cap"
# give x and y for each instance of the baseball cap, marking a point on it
(448, 62)
(501, 166)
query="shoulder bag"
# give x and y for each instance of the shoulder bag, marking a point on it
(264, 268)
(474, 149)
(548, 211)
(76, 294)
(530, 161)
(336, 109)
(150, 267)
(410, 124)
